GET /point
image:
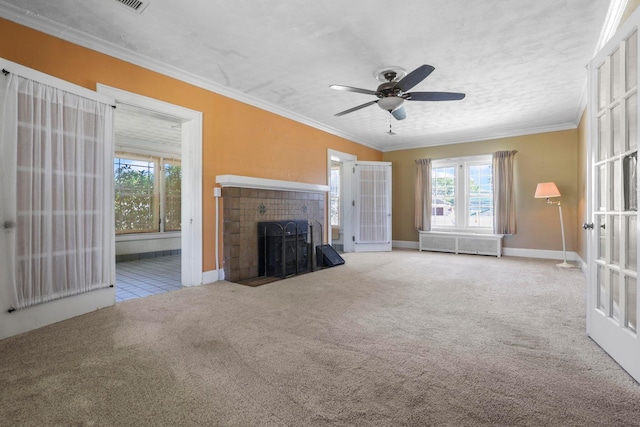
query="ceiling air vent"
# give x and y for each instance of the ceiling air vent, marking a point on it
(134, 5)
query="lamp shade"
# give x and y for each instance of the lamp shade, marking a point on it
(546, 190)
(390, 103)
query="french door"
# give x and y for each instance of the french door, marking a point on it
(612, 302)
(370, 200)
(56, 188)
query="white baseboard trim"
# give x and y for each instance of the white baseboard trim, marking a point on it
(538, 253)
(30, 318)
(403, 244)
(514, 252)
(581, 264)
(212, 276)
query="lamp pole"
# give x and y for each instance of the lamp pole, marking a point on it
(564, 263)
(545, 190)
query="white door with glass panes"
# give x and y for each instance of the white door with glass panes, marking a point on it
(340, 212)
(370, 200)
(612, 227)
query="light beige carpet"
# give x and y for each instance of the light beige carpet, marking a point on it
(393, 339)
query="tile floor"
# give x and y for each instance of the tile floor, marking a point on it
(150, 276)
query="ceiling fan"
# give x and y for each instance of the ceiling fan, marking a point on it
(392, 92)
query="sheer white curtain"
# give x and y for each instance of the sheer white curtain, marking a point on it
(422, 197)
(375, 203)
(56, 190)
(504, 201)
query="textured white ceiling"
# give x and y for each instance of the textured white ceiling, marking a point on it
(521, 63)
(145, 130)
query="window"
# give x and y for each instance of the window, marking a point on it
(147, 194)
(443, 202)
(172, 195)
(462, 193)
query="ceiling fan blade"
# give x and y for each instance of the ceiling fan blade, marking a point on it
(353, 89)
(434, 96)
(399, 113)
(414, 77)
(359, 107)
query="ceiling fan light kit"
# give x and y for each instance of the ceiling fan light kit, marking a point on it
(392, 92)
(390, 103)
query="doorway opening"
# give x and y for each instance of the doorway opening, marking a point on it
(173, 135)
(340, 209)
(147, 198)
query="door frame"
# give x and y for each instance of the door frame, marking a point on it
(191, 161)
(347, 214)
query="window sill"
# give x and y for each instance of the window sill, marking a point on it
(146, 236)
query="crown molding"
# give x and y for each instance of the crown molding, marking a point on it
(88, 41)
(71, 35)
(475, 137)
(582, 103)
(611, 23)
(609, 28)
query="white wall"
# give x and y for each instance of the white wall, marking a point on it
(140, 246)
(24, 320)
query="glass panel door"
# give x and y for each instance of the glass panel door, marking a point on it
(613, 259)
(372, 206)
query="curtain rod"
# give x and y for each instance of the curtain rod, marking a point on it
(7, 72)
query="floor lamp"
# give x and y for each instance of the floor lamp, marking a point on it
(546, 190)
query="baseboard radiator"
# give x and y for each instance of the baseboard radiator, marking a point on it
(461, 243)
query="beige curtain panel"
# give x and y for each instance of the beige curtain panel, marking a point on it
(504, 204)
(422, 220)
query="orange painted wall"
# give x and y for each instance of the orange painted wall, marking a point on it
(237, 138)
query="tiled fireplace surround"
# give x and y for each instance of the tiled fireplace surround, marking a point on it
(244, 207)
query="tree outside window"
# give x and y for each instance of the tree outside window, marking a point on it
(172, 195)
(146, 201)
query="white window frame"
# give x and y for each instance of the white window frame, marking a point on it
(191, 156)
(462, 165)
